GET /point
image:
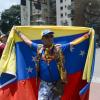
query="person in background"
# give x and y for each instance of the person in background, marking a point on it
(3, 40)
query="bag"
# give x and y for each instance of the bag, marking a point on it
(58, 89)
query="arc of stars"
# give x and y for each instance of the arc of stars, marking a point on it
(82, 53)
(29, 69)
(71, 48)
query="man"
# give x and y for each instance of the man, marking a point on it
(51, 56)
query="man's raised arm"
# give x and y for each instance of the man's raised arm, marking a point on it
(79, 40)
(23, 37)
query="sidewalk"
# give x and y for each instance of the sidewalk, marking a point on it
(95, 89)
(95, 85)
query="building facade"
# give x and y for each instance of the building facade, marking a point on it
(46, 10)
(60, 12)
(25, 12)
(36, 12)
(63, 13)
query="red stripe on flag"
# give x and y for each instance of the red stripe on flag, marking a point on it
(73, 87)
(28, 90)
(21, 90)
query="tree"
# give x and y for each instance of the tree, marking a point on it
(92, 16)
(10, 17)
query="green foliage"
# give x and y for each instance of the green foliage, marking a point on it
(10, 17)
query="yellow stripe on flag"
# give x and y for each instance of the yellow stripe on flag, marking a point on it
(34, 32)
(88, 64)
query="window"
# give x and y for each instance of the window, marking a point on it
(70, 15)
(72, 12)
(61, 15)
(61, 1)
(65, 14)
(72, 19)
(65, 6)
(23, 2)
(61, 8)
(69, 7)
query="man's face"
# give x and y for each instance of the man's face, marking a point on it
(47, 39)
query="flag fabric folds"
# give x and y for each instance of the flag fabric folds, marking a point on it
(17, 65)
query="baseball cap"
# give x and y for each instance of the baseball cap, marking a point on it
(46, 32)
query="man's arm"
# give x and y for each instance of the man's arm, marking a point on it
(24, 38)
(79, 40)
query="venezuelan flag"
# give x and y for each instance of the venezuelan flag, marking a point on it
(17, 66)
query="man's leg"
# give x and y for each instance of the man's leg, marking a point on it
(45, 91)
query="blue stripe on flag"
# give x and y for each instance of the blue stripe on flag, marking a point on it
(74, 58)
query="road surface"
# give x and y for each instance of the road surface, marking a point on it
(95, 85)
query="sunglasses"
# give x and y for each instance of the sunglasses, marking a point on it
(48, 36)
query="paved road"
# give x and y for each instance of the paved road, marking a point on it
(97, 63)
(95, 86)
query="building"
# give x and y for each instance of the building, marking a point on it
(44, 12)
(60, 12)
(25, 12)
(51, 12)
(36, 12)
(63, 12)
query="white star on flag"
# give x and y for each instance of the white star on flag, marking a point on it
(29, 69)
(33, 58)
(82, 53)
(71, 48)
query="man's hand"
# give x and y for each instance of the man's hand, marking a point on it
(16, 31)
(79, 40)
(14, 28)
(23, 37)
